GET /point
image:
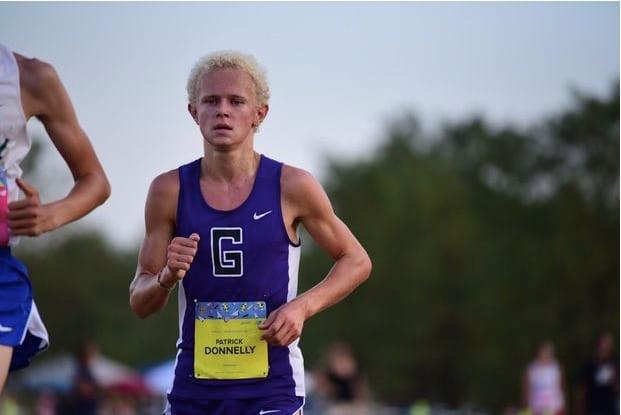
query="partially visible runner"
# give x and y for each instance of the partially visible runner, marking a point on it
(226, 226)
(31, 88)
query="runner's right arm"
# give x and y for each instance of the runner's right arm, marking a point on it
(160, 253)
(44, 97)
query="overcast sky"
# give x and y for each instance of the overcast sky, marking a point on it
(338, 73)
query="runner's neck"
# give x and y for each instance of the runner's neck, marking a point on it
(231, 167)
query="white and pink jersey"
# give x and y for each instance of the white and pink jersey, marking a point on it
(14, 139)
(545, 390)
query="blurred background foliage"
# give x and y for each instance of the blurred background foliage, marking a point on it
(485, 241)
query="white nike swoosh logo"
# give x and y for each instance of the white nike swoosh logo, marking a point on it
(257, 217)
(5, 329)
(268, 412)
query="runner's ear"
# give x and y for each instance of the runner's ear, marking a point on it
(192, 111)
(261, 114)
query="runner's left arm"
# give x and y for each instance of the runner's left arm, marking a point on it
(311, 207)
(29, 216)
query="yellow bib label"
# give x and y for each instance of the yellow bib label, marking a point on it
(227, 341)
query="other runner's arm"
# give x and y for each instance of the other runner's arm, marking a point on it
(159, 256)
(311, 206)
(44, 96)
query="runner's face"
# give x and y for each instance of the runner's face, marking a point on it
(226, 107)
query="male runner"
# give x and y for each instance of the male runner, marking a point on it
(31, 88)
(225, 225)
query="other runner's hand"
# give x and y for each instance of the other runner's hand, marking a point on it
(181, 252)
(284, 324)
(28, 216)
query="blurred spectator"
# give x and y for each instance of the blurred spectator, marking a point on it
(543, 384)
(46, 403)
(598, 392)
(341, 382)
(85, 392)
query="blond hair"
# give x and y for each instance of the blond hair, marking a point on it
(229, 59)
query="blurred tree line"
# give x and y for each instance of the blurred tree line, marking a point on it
(485, 241)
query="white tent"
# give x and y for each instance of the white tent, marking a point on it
(159, 378)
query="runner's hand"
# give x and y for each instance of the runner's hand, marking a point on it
(28, 216)
(181, 252)
(284, 324)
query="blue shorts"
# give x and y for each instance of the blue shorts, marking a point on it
(274, 405)
(20, 324)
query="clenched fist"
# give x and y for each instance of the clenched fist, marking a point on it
(28, 216)
(284, 324)
(181, 252)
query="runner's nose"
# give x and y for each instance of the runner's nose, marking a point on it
(223, 109)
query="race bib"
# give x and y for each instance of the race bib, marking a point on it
(227, 341)
(4, 208)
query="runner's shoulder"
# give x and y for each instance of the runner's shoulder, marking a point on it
(295, 181)
(165, 188)
(300, 188)
(37, 76)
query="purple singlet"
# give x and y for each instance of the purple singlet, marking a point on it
(244, 255)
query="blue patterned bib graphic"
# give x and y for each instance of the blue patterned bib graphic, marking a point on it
(230, 310)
